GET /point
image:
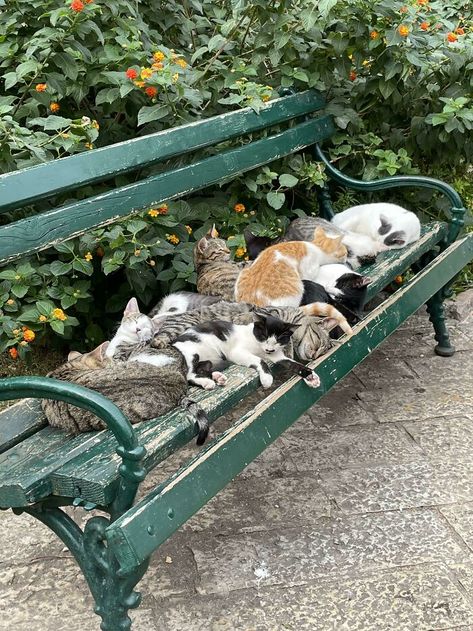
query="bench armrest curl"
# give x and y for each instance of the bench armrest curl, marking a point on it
(458, 210)
(131, 471)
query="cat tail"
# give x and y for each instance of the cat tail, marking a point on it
(201, 418)
(328, 311)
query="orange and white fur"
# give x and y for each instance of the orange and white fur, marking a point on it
(275, 278)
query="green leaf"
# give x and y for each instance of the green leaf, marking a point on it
(8, 274)
(287, 180)
(44, 307)
(68, 301)
(58, 268)
(153, 113)
(325, 6)
(275, 199)
(67, 247)
(19, 290)
(56, 122)
(83, 266)
(57, 326)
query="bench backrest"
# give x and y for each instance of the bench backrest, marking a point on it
(27, 186)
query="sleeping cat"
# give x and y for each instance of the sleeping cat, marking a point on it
(246, 345)
(390, 224)
(141, 392)
(309, 340)
(340, 286)
(275, 278)
(362, 249)
(216, 272)
(180, 302)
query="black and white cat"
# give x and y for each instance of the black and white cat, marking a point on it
(246, 345)
(388, 224)
(340, 286)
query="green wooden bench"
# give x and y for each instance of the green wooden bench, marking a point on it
(43, 469)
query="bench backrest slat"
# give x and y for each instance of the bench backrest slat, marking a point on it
(45, 180)
(35, 233)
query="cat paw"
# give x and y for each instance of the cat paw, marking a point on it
(159, 342)
(219, 378)
(207, 384)
(312, 380)
(266, 380)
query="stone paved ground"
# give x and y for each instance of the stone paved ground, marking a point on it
(359, 518)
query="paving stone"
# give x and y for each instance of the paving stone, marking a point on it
(328, 449)
(444, 438)
(396, 487)
(460, 516)
(261, 503)
(381, 371)
(340, 544)
(36, 540)
(439, 398)
(444, 370)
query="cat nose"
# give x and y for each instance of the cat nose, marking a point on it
(270, 350)
(138, 329)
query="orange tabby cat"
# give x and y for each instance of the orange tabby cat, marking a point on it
(275, 277)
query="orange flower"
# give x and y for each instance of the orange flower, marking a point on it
(41, 87)
(157, 65)
(182, 63)
(239, 208)
(146, 73)
(451, 37)
(403, 10)
(159, 56)
(131, 73)
(139, 84)
(398, 280)
(374, 34)
(77, 6)
(163, 209)
(151, 92)
(424, 26)
(240, 252)
(13, 353)
(403, 30)
(460, 31)
(29, 335)
(59, 314)
(54, 107)
(422, 2)
(173, 238)
(352, 76)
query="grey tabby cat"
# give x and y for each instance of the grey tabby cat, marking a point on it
(141, 391)
(309, 340)
(216, 272)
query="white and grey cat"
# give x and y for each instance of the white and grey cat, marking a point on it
(180, 302)
(250, 345)
(390, 225)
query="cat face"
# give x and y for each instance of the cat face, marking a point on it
(391, 238)
(272, 333)
(135, 325)
(332, 246)
(89, 361)
(211, 248)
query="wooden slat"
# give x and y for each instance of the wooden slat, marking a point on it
(40, 231)
(135, 535)
(394, 262)
(19, 421)
(45, 180)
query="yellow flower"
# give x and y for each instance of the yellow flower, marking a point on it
(63, 134)
(137, 252)
(139, 84)
(42, 318)
(16, 331)
(240, 252)
(23, 343)
(182, 63)
(146, 73)
(265, 98)
(88, 256)
(157, 65)
(152, 263)
(159, 56)
(17, 277)
(59, 314)
(173, 238)
(175, 77)
(10, 301)
(153, 212)
(239, 208)
(29, 335)
(403, 30)
(95, 124)
(89, 145)
(189, 229)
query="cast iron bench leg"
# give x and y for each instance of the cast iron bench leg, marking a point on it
(436, 313)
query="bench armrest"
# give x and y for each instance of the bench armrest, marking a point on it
(131, 472)
(457, 209)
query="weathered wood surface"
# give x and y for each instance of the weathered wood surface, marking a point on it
(19, 421)
(45, 180)
(40, 231)
(135, 535)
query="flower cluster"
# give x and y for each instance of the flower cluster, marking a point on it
(163, 69)
(173, 238)
(155, 212)
(239, 208)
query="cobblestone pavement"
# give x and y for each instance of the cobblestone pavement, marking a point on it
(360, 517)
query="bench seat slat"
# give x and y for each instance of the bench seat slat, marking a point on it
(135, 535)
(30, 185)
(35, 233)
(19, 421)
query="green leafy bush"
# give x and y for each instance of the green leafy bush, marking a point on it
(83, 74)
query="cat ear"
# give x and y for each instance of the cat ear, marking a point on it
(202, 245)
(131, 307)
(73, 355)
(214, 232)
(99, 352)
(318, 232)
(385, 226)
(361, 281)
